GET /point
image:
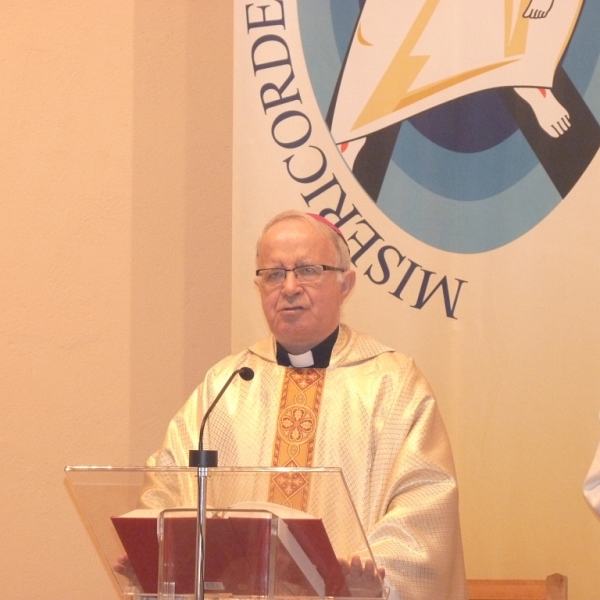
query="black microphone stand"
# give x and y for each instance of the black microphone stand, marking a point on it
(204, 460)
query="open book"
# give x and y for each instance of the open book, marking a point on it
(240, 551)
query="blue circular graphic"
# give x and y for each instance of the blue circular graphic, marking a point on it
(462, 176)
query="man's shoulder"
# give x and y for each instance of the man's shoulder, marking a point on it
(258, 354)
(264, 349)
(227, 365)
(354, 347)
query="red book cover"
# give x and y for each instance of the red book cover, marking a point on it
(237, 554)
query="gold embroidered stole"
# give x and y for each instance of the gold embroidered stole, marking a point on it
(295, 437)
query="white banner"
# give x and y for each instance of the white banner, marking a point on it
(465, 179)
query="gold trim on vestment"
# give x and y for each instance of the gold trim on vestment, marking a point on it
(295, 436)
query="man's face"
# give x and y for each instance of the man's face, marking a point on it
(300, 315)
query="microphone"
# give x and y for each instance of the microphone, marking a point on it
(246, 373)
(209, 458)
(202, 459)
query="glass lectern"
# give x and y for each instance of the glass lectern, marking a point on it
(254, 548)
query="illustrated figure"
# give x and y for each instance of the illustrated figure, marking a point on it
(407, 57)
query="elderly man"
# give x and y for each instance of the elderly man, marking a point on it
(368, 410)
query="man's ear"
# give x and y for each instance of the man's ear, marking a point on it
(348, 281)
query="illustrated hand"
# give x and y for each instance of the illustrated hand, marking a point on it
(538, 9)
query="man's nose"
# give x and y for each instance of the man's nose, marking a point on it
(290, 284)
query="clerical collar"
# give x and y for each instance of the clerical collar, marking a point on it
(318, 357)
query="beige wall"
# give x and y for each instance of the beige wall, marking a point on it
(115, 215)
(115, 252)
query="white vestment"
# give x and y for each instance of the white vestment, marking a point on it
(379, 422)
(591, 485)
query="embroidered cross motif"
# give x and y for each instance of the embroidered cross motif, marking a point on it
(296, 429)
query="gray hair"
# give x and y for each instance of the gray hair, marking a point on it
(339, 243)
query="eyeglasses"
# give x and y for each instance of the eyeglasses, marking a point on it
(304, 274)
